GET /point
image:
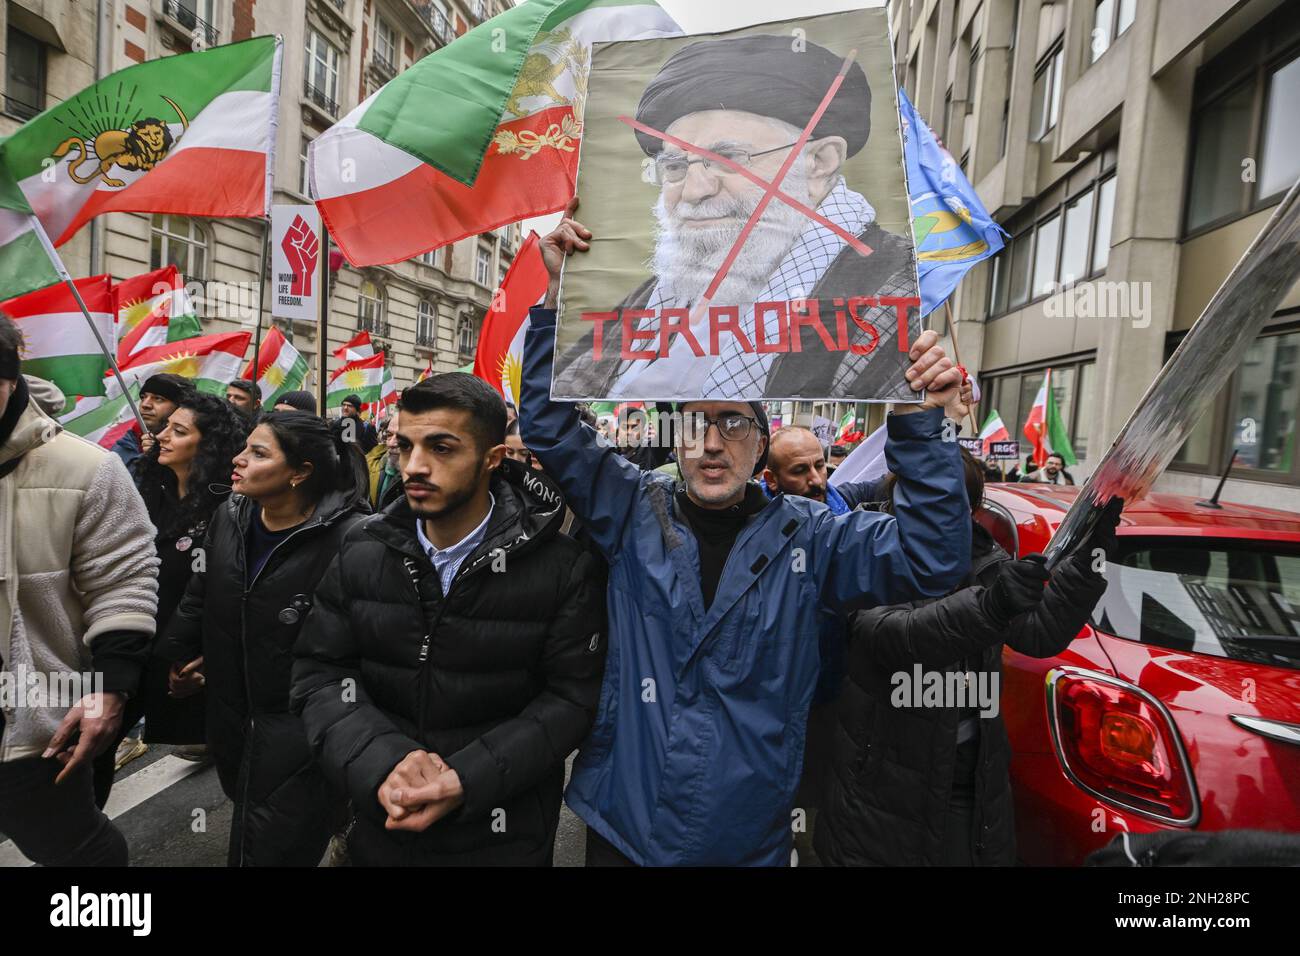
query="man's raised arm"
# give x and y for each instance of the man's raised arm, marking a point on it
(598, 483)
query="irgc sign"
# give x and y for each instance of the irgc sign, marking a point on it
(295, 261)
(751, 221)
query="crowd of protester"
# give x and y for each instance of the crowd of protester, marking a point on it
(389, 637)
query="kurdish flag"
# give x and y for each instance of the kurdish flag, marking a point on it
(211, 362)
(152, 309)
(480, 133)
(994, 430)
(387, 396)
(192, 134)
(363, 378)
(58, 344)
(1045, 429)
(428, 370)
(281, 368)
(499, 357)
(357, 347)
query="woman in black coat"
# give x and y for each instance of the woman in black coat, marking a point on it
(182, 479)
(298, 488)
(930, 785)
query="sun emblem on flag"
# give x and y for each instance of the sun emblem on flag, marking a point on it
(274, 376)
(354, 378)
(185, 364)
(512, 374)
(134, 312)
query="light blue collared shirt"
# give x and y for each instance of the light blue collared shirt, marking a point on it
(448, 561)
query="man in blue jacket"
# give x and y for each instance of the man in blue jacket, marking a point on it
(714, 602)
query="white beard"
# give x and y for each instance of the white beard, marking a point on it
(686, 260)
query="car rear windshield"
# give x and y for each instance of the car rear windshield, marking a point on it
(1239, 600)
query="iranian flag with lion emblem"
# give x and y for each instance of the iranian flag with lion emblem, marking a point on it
(478, 134)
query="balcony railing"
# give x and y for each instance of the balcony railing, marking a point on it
(425, 340)
(191, 21)
(383, 65)
(437, 22)
(373, 326)
(321, 100)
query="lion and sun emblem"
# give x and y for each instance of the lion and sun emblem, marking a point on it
(104, 143)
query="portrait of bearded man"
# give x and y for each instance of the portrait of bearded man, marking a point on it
(748, 99)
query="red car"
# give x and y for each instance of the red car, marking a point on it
(1178, 707)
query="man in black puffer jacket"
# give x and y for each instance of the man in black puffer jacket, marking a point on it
(453, 657)
(930, 785)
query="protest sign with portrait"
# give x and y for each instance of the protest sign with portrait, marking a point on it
(751, 223)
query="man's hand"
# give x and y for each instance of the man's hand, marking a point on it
(186, 681)
(1017, 589)
(931, 373)
(95, 719)
(962, 401)
(147, 441)
(1102, 540)
(418, 791)
(569, 236)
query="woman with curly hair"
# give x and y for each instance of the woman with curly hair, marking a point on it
(182, 479)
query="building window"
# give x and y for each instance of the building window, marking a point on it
(322, 72)
(24, 75)
(1073, 385)
(385, 44)
(483, 266)
(1045, 106)
(429, 257)
(1255, 415)
(426, 324)
(1066, 244)
(1245, 148)
(180, 242)
(304, 183)
(370, 308)
(972, 77)
(465, 338)
(1107, 27)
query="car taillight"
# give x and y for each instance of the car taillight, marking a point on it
(1119, 743)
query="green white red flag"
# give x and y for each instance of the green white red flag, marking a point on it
(211, 362)
(480, 133)
(152, 309)
(357, 347)
(846, 425)
(1045, 428)
(281, 368)
(499, 357)
(363, 378)
(58, 344)
(993, 430)
(191, 134)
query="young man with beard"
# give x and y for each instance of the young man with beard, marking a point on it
(716, 596)
(748, 98)
(444, 687)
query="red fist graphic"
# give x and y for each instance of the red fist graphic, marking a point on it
(302, 249)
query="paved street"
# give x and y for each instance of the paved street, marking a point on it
(173, 813)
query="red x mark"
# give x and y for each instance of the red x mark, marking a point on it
(771, 190)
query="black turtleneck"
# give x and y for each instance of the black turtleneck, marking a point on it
(716, 530)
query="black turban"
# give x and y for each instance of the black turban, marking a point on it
(762, 75)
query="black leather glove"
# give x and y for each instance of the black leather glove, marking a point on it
(1018, 588)
(1102, 537)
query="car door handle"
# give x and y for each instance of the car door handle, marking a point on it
(1272, 729)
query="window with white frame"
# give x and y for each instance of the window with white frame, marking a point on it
(385, 43)
(465, 336)
(483, 266)
(180, 242)
(370, 308)
(303, 180)
(428, 257)
(322, 68)
(426, 324)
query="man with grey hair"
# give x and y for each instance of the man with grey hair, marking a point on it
(747, 99)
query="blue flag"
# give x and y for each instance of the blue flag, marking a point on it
(950, 225)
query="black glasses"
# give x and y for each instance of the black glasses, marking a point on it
(673, 167)
(733, 427)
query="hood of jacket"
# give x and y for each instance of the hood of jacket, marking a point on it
(529, 508)
(330, 510)
(32, 429)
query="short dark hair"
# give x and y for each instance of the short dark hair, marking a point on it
(11, 343)
(1055, 454)
(464, 392)
(249, 386)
